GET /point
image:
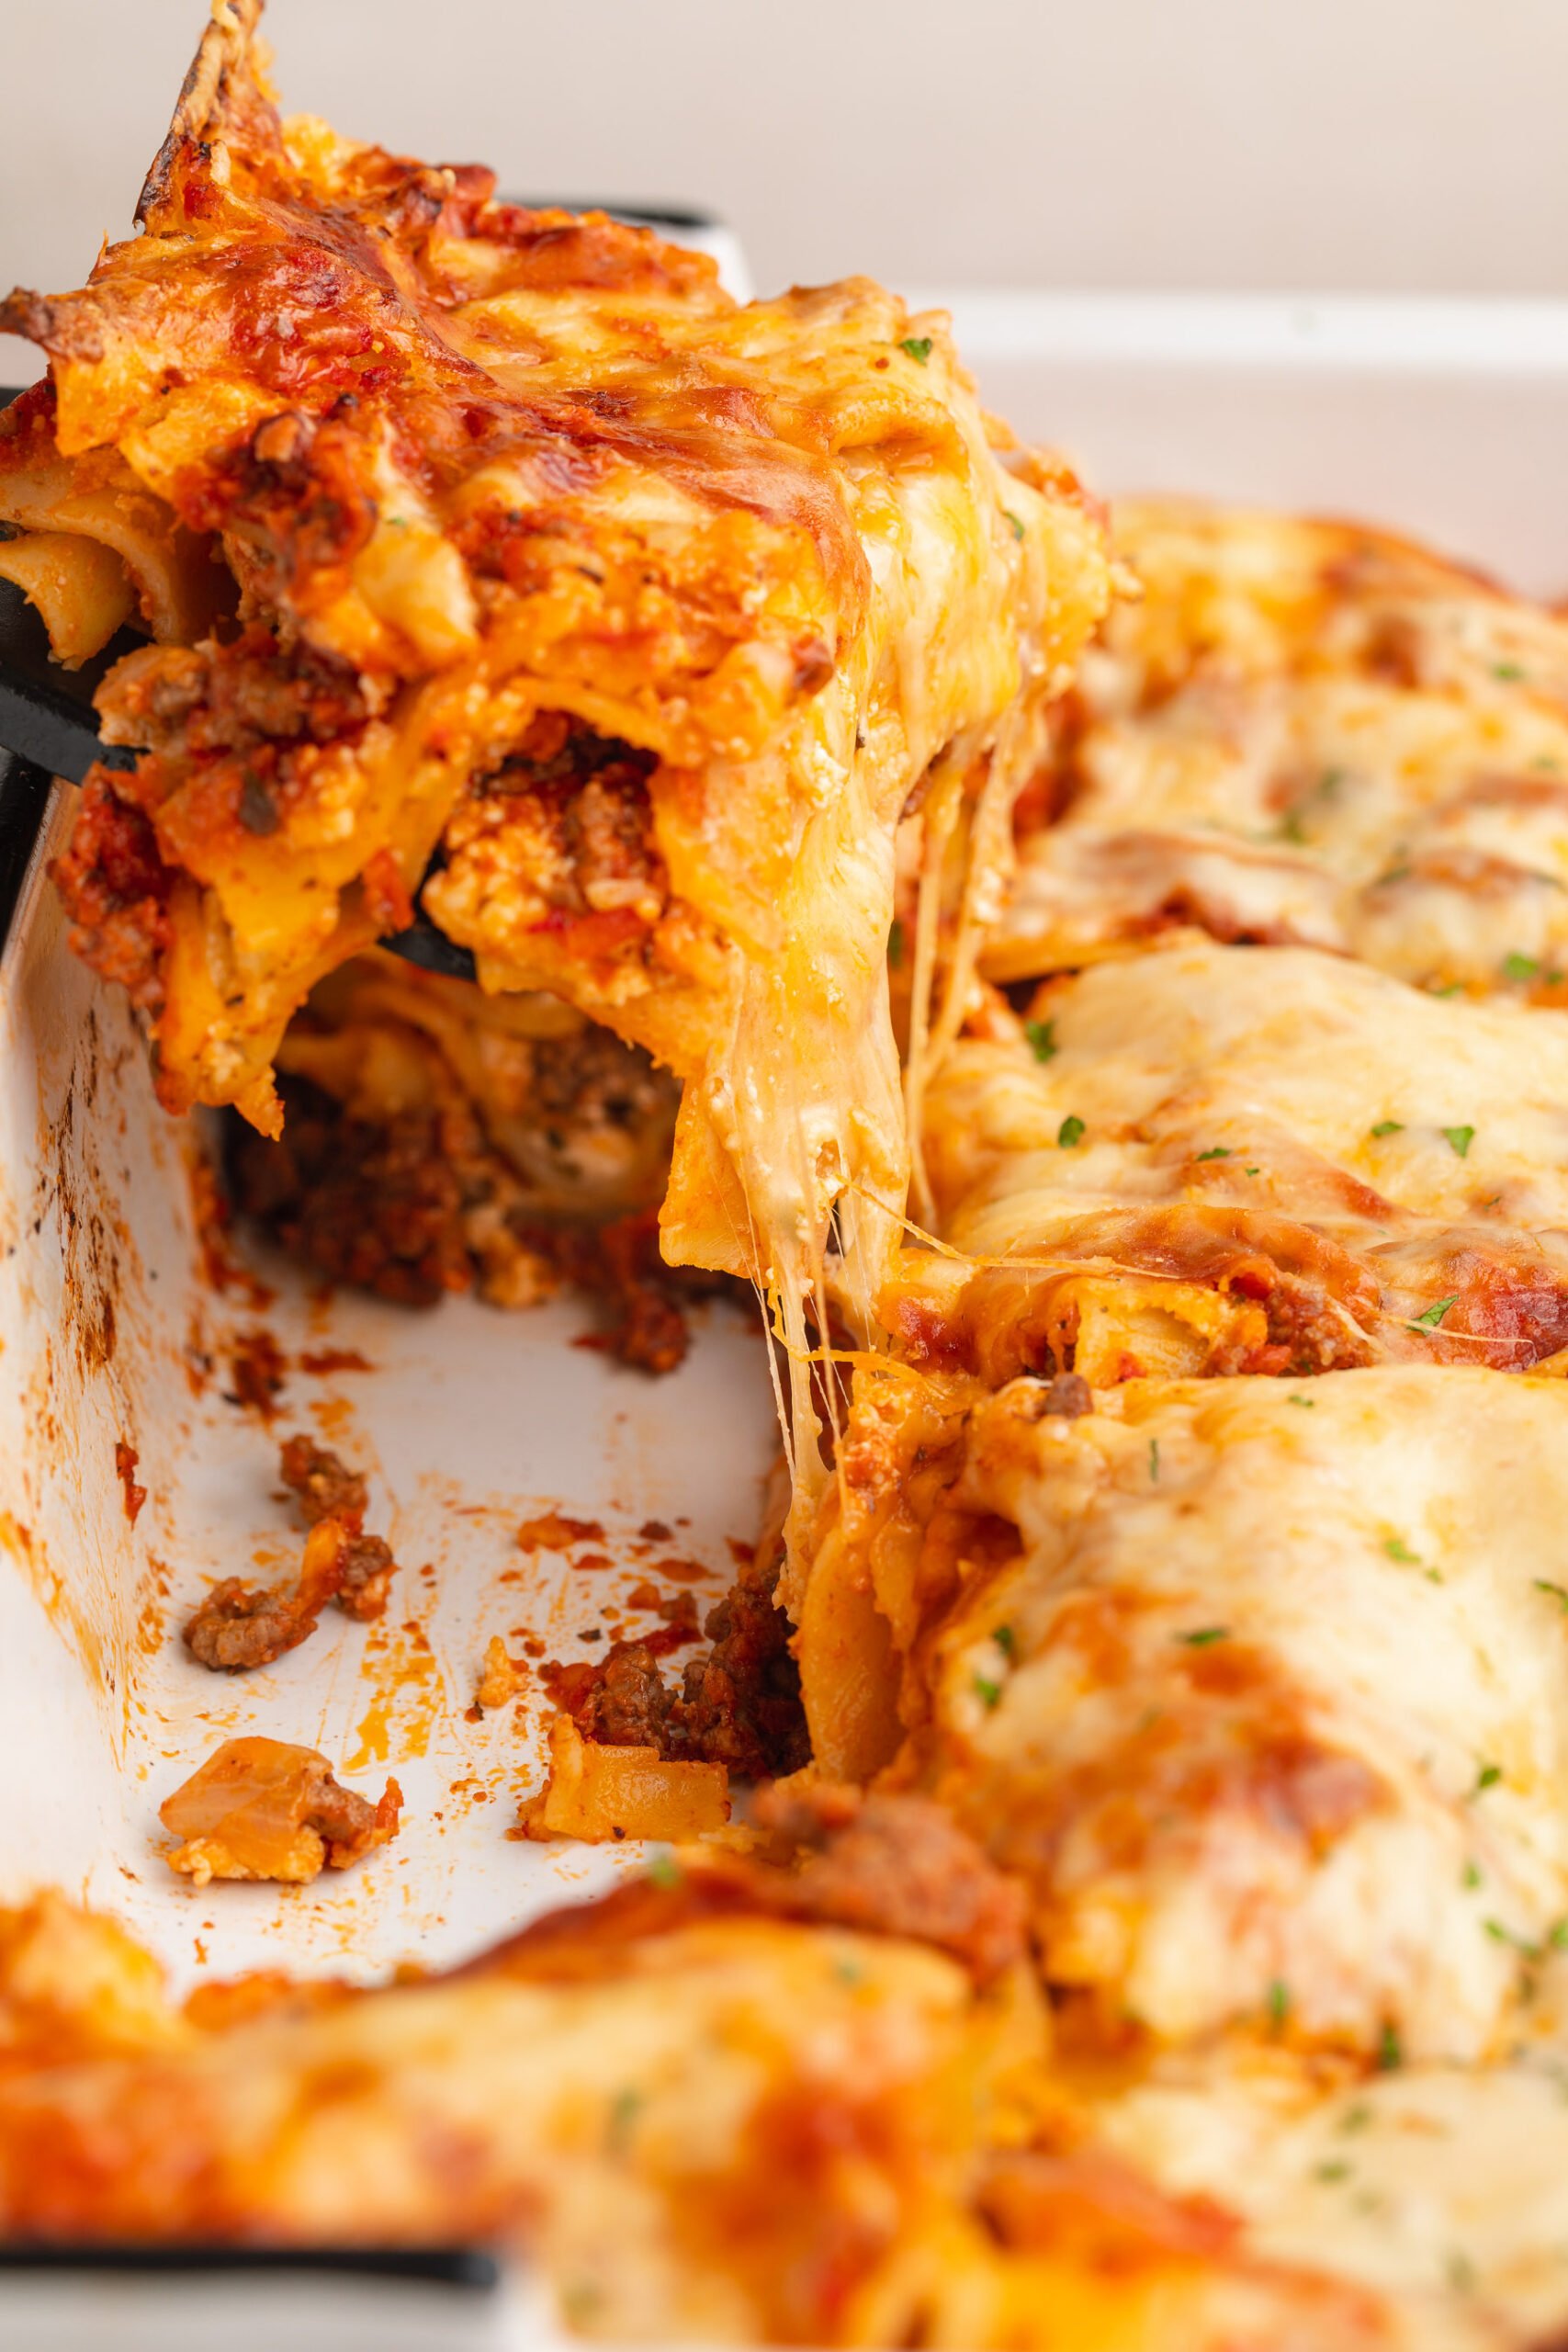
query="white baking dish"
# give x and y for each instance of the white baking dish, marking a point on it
(1446, 420)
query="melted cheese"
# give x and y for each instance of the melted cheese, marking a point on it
(1271, 1125)
(1267, 1693)
(1307, 731)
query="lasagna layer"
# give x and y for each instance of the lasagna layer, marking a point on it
(1305, 732)
(1260, 1689)
(1215, 1159)
(640, 612)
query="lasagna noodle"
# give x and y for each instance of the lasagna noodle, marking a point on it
(1305, 732)
(518, 468)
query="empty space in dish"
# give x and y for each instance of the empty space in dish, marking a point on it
(468, 1420)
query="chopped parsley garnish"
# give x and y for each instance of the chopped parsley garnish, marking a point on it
(1329, 782)
(1460, 1140)
(1450, 987)
(1204, 1635)
(664, 1869)
(1217, 1152)
(986, 1690)
(1154, 1460)
(1508, 671)
(1521, 967)
(1005, 1639)
(919, 346)
(1307, 1404)
(1278, 2001)
(1334, 2169)
(1559, 1593)
(1470, 1877)
(1429, 1319)
(1041, 1037)
(1388, 1127)
(1016, 520)
(1292, 828)
(1070, 1132)
(1397, 1549)
(1487, 1776)
(895, 944)
(1391, 2051)
(1357, 2118)
(1252, 1171)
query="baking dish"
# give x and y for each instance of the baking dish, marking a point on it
(1440, 419)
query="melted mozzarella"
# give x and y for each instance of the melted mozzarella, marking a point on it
(1310, 732)
(1281, 1700)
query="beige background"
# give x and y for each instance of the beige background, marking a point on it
(1243, 143)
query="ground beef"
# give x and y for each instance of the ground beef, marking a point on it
(627, 1705)
(324, 1486)
(376, 1206)
(115, 888)
(739, 1705)
(398, 1208)
(619, 1265)
(897, 1866)
(241, 1625)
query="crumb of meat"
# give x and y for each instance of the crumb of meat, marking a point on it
(501, 1679)
(619, 1265)
(115, 888)
(627, 1704)
(1066, 1398)
(324, 1485)
(368, 1571)
(739, 1705)
(241, 1625)
(897, 1866)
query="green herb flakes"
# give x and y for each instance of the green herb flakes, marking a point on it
(1429, 1319)
(1069, 1133)
(1388, 1127)
(985, 1690)
(1204, 1636)
(919, 346)
(1460, 1140)
(1041, 1037)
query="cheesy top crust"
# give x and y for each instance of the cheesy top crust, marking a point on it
(1304, 1161)
(1306, 731)
(1270, 1695)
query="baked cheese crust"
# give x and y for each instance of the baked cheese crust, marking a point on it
(1305, 732)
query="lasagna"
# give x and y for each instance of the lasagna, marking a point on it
(1153, 1933)
(617, 623)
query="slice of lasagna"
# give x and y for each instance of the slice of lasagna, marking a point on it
(1305, 732)
(638, 615)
